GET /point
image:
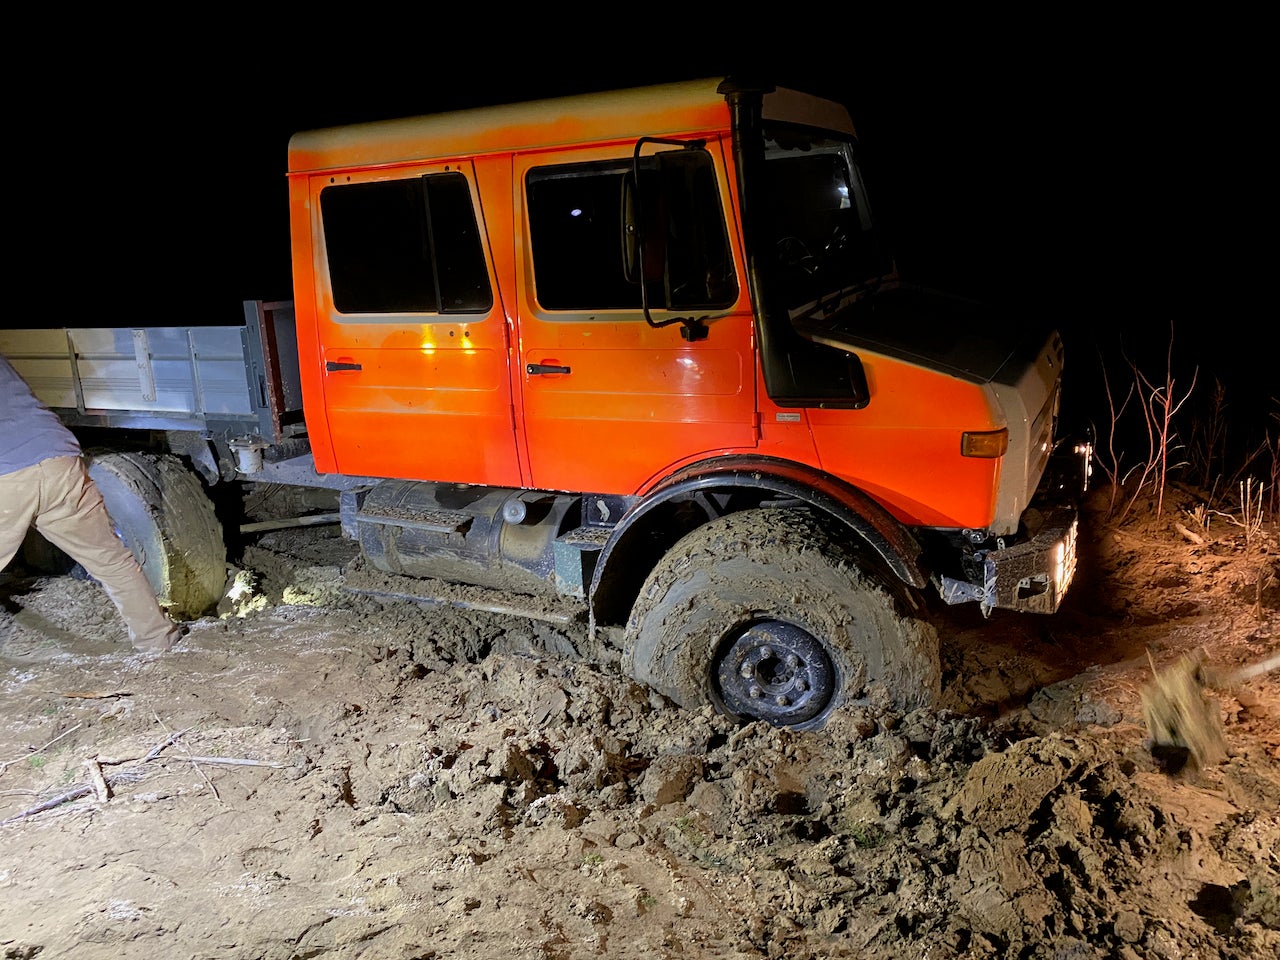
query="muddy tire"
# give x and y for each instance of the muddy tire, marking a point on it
(162, 513)
(767, 617)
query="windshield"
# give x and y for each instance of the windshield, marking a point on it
(813, 249)
(816, 238)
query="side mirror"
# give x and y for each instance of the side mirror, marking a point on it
(648, 219)
(630, 230)
(644, 233)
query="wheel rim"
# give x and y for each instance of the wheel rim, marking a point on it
(777, 672)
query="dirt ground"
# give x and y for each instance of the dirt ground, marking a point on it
(316, 773)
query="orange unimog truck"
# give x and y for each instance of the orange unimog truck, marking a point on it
(640, 358)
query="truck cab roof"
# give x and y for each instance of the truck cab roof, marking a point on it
(660, 110)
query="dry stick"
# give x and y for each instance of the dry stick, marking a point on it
(1169, 409)
(5, 764)
(76, 794)
(85, 789)
(203, 775)
(171, 739)
(101, 785)
(1110, 464)
(232, 762)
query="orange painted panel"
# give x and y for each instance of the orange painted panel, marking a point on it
(422, 412)
(903, 448)
(622, 413)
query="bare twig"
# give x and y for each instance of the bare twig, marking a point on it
(1252, 514)
(5, 764)
(84, 789)
(1163, 407)
(1193, 537)
(1209, 435)
(1159, 406)
(168, 741)
(203, 776)
(1251, 511)
(237, 762)
(100, 785)
(73, 794)
(1110, 463)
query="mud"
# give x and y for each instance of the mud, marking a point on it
(321, 773)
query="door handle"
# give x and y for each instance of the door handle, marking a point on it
(333, 365)
(538, 368)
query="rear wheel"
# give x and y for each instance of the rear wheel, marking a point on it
(163, 515)
(766, 616)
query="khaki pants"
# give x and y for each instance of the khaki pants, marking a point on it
(59, 497)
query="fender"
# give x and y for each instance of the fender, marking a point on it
(865, 518)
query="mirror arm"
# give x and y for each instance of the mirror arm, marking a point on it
(693, 328)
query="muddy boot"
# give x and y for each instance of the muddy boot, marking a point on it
(164, 643)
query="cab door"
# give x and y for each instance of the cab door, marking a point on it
(611, 401)
(413, 340)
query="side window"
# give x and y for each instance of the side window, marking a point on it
(576, 214)
(405, 246)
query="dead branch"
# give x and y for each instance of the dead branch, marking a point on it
(1163, 408)
(1193, 537)
(237, 762)
(1110, 464)
(84, 789)
(5, 764)
(1159, 407)
(167, 742)
(73, 794)
(203, 776)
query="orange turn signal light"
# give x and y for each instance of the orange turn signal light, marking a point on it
(988, 444)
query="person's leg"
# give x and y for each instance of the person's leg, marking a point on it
(73, 518)
(19, 500)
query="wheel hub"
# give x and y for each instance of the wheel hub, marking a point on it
(777, 672)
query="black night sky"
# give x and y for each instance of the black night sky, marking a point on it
(1121, 187)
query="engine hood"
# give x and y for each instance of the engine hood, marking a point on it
(961, 337)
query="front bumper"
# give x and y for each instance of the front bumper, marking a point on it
(1030, 577)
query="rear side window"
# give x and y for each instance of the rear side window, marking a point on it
(405, 246)
(576, 214)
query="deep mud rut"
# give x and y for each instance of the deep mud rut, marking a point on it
(321, 774)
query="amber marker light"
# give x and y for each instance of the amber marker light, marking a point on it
(987, 445)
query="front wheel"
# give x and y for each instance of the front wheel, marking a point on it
(768, 617)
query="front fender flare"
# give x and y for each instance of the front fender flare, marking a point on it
(871, 523)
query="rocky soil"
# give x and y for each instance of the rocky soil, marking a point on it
(317, 773)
